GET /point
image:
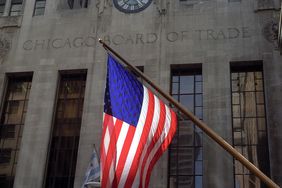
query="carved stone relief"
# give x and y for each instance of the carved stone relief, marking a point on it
(5, 46)
(103, 4)
(264, 4)
(161, 6)
(270, 32)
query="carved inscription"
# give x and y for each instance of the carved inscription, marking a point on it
(57, 43)
(230, 33)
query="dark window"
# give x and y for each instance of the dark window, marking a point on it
(249, 123)
(11, 126)
(66, 131)
(77, 4)
(39, 7)
(186, 150)
(16, 7)
(189, 2)
(232, 1)
(5, 155)
(7, 131)
(2, 6)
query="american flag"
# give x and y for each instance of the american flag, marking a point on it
(137, 129)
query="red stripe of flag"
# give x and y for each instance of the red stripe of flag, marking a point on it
(142, 142)
(155, 138)
(114, 134)
(163, 147)
(123, 155)
(107, 118)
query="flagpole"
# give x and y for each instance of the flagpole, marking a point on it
(199, 123)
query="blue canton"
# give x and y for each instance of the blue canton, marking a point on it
(124, 93)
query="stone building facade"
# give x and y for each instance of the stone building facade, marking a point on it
(220, 58)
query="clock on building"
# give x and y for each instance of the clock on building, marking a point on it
(131, 6)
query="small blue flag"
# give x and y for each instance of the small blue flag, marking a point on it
(93, 171)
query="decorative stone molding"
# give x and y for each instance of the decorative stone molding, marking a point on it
(270, 31)
(161, 6)
(263, 5)
(9, 26)
(10, 21)
(103, 4)
(5, 46)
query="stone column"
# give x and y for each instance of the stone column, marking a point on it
(218, 164)
(36, 132)
(7, 7)
(273, 92)
(92, 119)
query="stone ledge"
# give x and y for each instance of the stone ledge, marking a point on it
(10, 21)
